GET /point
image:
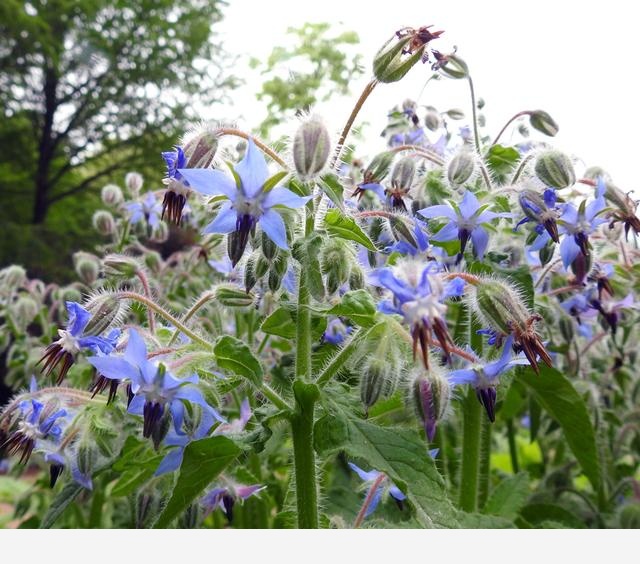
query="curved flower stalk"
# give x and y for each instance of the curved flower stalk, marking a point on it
(249, 200)
(153, 388)
(73, 339)
(419, 292)
(465, 222)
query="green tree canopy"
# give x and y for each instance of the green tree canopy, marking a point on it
(91, 88)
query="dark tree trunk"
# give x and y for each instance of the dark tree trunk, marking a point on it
(46, 147)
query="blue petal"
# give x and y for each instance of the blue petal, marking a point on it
(280, 196)
(374, 187)
(225, 222)
(252, 170)
(400, 290)
(464, 376)
(396, 493)
(366, 476)
(273, 225)
(171, 462)
(469, 205)
(448, 233)
(136, 351)
(136, 407)
(115, 368)
(375, 500)
(480, 240)
(540, 241)
(78, 318)
(210, 182)
(440, 210)
(569, 250)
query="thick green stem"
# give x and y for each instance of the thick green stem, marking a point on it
(484, 473)
(471, 428)
(303, 330)
(513, 450)
(303, 455)
(474, 113)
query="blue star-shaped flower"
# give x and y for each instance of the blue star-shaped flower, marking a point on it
(248, 203)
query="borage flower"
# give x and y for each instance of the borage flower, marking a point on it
(465, 222)
(147, 209)
(372, 478)
(226, 497)
(250, 201)
(73, 339)
(153, 387)
(175, 197)
(419, 291)
(484, 378)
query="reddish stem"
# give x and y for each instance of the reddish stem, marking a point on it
(367, 500)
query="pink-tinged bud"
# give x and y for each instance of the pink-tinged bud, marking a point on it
(431, 395)
(87, 267)
(121, 265)
(13, 276)
(111, 195)
(103, 222)
(133, 181)
(201, 144)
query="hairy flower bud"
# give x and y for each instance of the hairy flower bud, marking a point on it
(451, 65)
(200, 145)
(103, 222)
(269, 248)
(501, 308)
(555, 169)
(403, 173)
(70, 294)
(461, 168)
(153, 261)
(372, 383)
(106, 311)
(13, 276)
(88, 268)
(430, 394)
(25, 310)
(111, 195)
(121, 265)
(432, 120)
(311, 146)
(628, 516)
(232, 296)
(391, 62)
(335, 264)
(356, 278)
(455, 113)
(250, 277)
(543, 122)
(133, 181)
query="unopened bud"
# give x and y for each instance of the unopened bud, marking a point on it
(153, 261)
(111, 195)
(103, 222)
(566, 329)
(335, 264)
(455, 114)
(372, 383)
(403, 173)
(133, 181)
(261, 266)
(121, 265)
(88, 269)
(543, 122)
(106, 310)
(378, 168)
(25, 310)
(250, 278)
(232, 296)
(391, 63)
(461, 169)
(433, 121)
(13, 276)
(70, 294)
(451, 65)
(277, 270)
(311, 146)
(593, 172)
(431, 394)
(500, 306)
(269, 248)
(200, 145)
(86, 457)
(356, 278)
(629, 516)
(555, 169)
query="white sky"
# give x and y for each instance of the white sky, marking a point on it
(576, 60)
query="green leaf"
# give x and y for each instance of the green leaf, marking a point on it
(502, 160)
(332, 187)
(480, 521)
(401, 454)
(536, 513)
(203, 461)
(273, 181)
(339, 225)
(306, 251)
(282, 323)
(68, 493)
(233, 355)
(559, 398)
(508, 497)
(358, 306)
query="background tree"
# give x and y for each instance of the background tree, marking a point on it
(318, 65)
(92, 88)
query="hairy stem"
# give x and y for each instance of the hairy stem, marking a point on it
(204, 298)
(513, 450)
(368, 499)
(260, 144)
(368, 89)
(147, 292)
(471, 427)
(514, 118)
